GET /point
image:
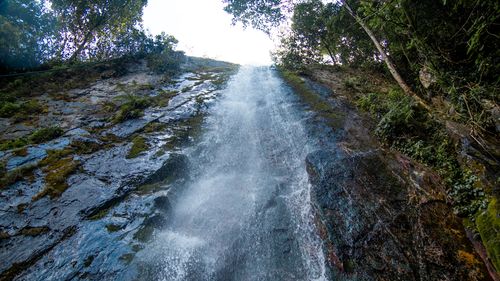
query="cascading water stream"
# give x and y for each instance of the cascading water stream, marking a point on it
(246, 213)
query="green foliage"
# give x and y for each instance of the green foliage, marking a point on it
(164, 58)
(371, 103)
(468, 198)
(34, 36)
(85, 147)
(8, 109)
(11, 144)
(409, 129)
(39, 136)
(20, 109)
(46, 134)
(24, 25)
(100, 24)
(261, 14)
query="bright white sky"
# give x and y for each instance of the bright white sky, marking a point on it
(204, 30)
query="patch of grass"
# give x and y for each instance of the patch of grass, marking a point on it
(39, 136)
(85, 147)
(56, 176)
(20, 110)
(99, 215)
(149, 188)
(53, 156)
(21, 173)
(88, 261)
(4, 235)
(186, 89)
(46, 134)
(8, 109)
(162, 99)
(139, 145)
(127, 258)
(132, 108)
(371, 103)
(351, 83)
(3, 169)
(12, 144)
(21, 207)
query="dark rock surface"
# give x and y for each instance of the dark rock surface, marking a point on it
(113, 203)
(381, 215)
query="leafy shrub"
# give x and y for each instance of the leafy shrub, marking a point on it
(372, 103)
(409, 129)
(399, 119)
(468, 198)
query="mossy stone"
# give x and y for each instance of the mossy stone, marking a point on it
(488, 225)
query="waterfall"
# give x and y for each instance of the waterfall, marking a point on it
(246, 213)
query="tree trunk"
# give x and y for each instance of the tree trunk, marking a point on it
(330, 53)
(395, 74)
(80, 48)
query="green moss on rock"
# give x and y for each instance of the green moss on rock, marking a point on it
(56, 176)
(488, 225)
(113, 227)
(34, 231)
(16, 175)
(333, 118)
(139, 145)
(144, 234)
(46, 134)
(132, 108)
(11, 144)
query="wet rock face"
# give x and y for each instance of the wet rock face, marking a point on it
(113, 203)
(381, 215)
(175, 167)
(379, 226)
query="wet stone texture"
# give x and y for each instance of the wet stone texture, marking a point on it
(111, 203)
(381, 215)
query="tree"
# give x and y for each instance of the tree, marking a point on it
(27, 34)
(330, 30)
(251, 11)
(390, 65)
(96, 23)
